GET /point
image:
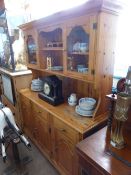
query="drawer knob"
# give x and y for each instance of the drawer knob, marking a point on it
(63, 130)
(39, 112)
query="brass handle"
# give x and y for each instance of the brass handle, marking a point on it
(63, 130)
(39, 112)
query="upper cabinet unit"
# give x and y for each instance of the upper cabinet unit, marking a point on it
(78, 43)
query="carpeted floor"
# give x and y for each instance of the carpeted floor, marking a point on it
(37, 164)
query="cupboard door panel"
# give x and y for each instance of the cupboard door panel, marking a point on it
(43, 135)
(26, 115)
(64, 154)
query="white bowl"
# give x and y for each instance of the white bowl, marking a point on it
(37, 82)
(83, 112)
(87, 103)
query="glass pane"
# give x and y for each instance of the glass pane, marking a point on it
(52, 38)
(31, 48)
(78, 50)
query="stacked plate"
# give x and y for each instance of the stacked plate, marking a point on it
(57, 68)
(37, 85)
(86, 106)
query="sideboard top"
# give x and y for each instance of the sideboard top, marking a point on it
(65, 113)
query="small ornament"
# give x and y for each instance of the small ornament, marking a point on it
(49, 62)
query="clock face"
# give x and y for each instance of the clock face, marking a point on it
(46, 88)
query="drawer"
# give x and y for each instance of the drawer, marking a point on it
(39, 111)
(66, 130)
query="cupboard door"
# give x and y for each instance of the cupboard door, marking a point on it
(64, 153)
(27, 116)
(80, 47)
(41, 128)
(43, 134)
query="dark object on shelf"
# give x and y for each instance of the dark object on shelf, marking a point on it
(112, 98)
(52, 90)
(128, 82)
(121, 85)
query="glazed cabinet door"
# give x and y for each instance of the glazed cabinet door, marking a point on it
(31, 48)
(80, 51)
(26, 114)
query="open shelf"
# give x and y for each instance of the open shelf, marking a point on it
(52, 48)
(54, 72)
(79, 53)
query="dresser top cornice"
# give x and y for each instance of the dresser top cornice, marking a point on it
(89, 7)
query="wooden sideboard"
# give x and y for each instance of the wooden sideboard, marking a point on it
(60, 38)
(56, 129)
(95, 157)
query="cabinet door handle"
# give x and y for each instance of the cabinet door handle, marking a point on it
(39, 112)
(63, 130)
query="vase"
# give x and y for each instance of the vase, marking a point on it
(123, 104)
